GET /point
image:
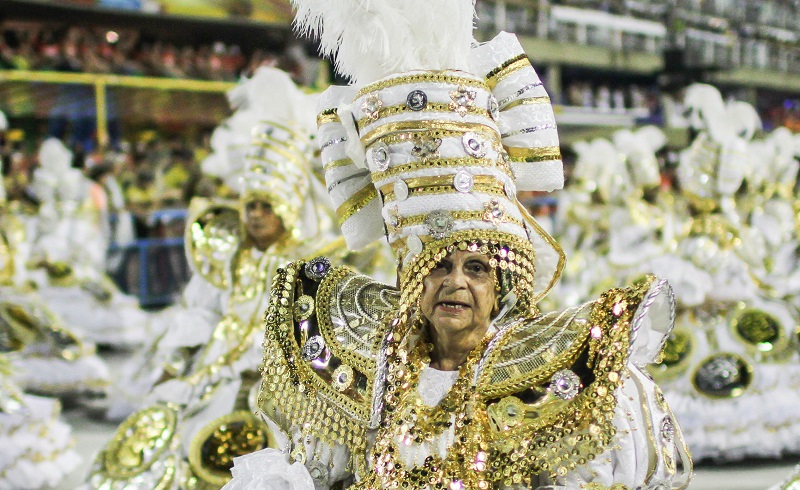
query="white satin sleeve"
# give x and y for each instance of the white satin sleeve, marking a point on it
(647, 450)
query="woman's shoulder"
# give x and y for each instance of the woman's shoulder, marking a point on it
(552, 382)
(323, 344)
(624, 325)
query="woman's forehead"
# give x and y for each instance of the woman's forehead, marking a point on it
(465, 255)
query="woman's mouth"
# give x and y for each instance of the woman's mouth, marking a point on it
(452, 306)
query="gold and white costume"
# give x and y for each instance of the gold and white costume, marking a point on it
(730, 367)
(430, 148)
(68, 252)
(195, 422)
(50, 358)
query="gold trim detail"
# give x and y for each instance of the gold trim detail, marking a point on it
(328, 116)
(507, 69)
(441, 163)
(430, 128)
(443, 184)
(526, 101)
(430, 107)
(344, 162)
(502, 66)
(544, 154)
(356, 203)
(428, 77)
(419, 219)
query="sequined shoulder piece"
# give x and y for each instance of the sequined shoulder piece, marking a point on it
(212, 237)
(324, 334)
(526, 352)
(550, 383)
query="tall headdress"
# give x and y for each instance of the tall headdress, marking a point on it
(433, 153)
(263, 150)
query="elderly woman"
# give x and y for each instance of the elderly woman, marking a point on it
(453, 380)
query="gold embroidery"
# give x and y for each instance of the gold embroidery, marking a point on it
(356, 203)
(436, 77)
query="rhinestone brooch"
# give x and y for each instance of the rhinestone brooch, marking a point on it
(565, 384)
(379, 156)
(463, 181)
(313, 348)
(440, 224)
(474, 144)
(317, 268)
(372, 106)
(417, 100)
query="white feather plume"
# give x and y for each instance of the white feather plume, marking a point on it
(370, 39)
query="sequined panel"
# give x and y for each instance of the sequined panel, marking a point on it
(211, 240)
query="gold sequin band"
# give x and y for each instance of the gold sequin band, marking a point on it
(419, 219)
(506, 69)
(356, 203)
(441, 163)
(327, 116)
(547, 153)
(443, 184)
(430, 107)
(527, 101)
(426, 127)
(282, 151)
(337, 163)
(428, 77)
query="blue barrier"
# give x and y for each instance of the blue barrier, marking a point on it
(154, 269)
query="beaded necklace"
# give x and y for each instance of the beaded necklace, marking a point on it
(408, 420)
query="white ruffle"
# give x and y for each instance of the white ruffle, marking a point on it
(56, 376)
(35, 448)
(268, 469)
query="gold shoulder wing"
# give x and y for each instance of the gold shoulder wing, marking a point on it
(325, 329)
(213, 232)
(549, 383)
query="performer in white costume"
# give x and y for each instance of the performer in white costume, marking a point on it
(69, 249)
(454, 380)
(730, 369)
(212, 229)
(196, 422)
(51, 359)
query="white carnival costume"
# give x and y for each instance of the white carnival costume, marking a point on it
(196, 422)
(430, 147)
(69, 249)
(730, 369)
(50, 358)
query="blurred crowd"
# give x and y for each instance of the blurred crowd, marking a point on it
(153, 174)
(124, 52)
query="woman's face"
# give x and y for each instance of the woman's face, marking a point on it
(458, 295)
(263, 226)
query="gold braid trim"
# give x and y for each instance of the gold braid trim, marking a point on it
(327, 116)
(418, 219)
(428, 77)
(527, 101)
(344, 162)
(506, 69)
(495, 189)
(429, 129)
(430, 107)
(356, 203)
(544, 154)
(441, 163)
